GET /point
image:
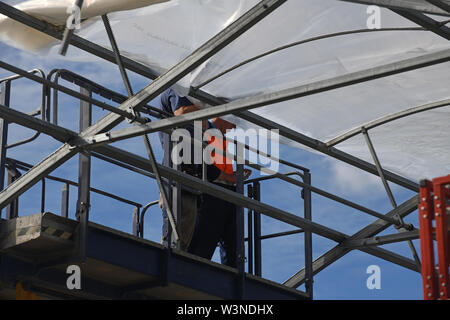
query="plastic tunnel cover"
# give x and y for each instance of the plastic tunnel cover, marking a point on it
(164, 33)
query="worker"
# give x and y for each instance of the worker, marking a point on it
(195, 207)
(216, 218)
(174, 105)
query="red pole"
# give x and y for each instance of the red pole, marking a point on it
(426, 240)
(440, 206)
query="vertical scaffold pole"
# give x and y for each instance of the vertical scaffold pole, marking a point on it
(426, 240)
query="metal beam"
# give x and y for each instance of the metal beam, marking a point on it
(147, 143)
(285, 177)
(65, 200)
(57, 132)
(371, 230)
(257, 236)
(324, 193)
(381, 240)
(217, 191)
(26, 166)
(280, 96)
(115, 47)
(84, 179)
(416, 5)
(82, 97)
(36, 124)
(374, 155)
(222, 193)
(104, 147)
(401, 224)
(83, 44)
(392, 257)
(65, 152)
(300, 42)
(38, 172)
(243, 201)
(308, 243)
(386, 119)
(212, 189)
(309, 142)
(378, 252)
(440, 4)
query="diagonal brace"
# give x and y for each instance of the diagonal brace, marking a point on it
(340, 250)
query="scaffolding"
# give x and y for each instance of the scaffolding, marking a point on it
(145, 269)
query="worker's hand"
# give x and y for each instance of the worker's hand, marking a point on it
(185, 109)
(189, 109)
(223, 125)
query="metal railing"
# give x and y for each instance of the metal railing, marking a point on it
(255, 209)
(17, 168)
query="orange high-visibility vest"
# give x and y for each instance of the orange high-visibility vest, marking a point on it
(221, 161)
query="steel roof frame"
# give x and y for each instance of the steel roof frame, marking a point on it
(141, 163)
(143, 70)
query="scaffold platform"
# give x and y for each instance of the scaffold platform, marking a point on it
(37, 249)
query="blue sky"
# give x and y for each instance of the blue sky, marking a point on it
(282, 257)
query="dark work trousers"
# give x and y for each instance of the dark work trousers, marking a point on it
(216, 224)
(187, 223)
(189, 204)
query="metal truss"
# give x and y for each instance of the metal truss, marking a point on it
(93, 139)
(143, 70)
(206, 187)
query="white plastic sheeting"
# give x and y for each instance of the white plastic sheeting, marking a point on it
(162, 34)
(57, 12)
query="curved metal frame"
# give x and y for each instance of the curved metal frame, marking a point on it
(386, 119)
(297, 43)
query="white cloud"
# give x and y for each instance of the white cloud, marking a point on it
(352, 181)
